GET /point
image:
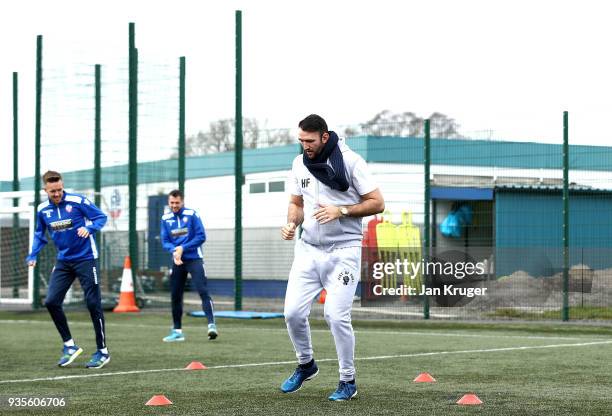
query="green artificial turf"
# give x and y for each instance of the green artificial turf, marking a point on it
(514, 378)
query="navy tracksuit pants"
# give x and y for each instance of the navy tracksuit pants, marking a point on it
(62, 277)
(177, 286)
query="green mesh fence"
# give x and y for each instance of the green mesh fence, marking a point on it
(590, 273)
(67, 145)
(499, 206)
(14, 244)
(496, 203)
(512, 192)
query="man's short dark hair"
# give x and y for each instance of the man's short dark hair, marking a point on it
(314, 123)
(51, 176)
(176, 194)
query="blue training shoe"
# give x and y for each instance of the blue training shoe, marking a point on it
(98, 360)
(212, 331)
(345, 391)
(174, 336)
(69, 354)
(299, 376)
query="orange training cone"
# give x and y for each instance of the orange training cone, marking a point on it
(127, 300)
(159, 400)
(196, 365)
(424, 378)
(469, 399)
(322, 296)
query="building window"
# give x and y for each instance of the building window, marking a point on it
(278, 186)
(257, 188)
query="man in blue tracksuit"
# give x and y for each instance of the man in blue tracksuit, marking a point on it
(182, 234)
(72, 220)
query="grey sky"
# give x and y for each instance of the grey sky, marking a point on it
(507, 67)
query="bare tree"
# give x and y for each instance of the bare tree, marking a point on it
(444, 126)
(195, 145)
(252, 135)
(220, 134)
(220, 137)
(278, 137)
(351, 131)
(406, 124)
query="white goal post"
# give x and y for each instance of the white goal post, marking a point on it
(16, 235)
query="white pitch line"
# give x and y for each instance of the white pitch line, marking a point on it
(379, 357)
(460, 334)
(433, 334)
(357, 331)
(531, 347)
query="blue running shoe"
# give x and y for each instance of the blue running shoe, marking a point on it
(69, 354)
(174, 336)
(212, 331)
(98, 360)
(345, 391)
(299, 376)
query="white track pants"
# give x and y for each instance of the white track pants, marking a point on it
(338, 271)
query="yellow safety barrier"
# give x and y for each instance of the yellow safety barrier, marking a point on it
(399, 242)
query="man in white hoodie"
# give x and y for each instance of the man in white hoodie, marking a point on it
(331, 191)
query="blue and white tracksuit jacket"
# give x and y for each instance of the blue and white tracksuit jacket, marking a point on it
(63, 220)
(185, 229)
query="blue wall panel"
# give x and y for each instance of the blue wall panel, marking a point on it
(528, 229)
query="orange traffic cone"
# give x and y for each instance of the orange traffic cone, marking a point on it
(469, 399)
(158, 400)
(424, 378)
(127, 300)
(196, 365)
(322, 296)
